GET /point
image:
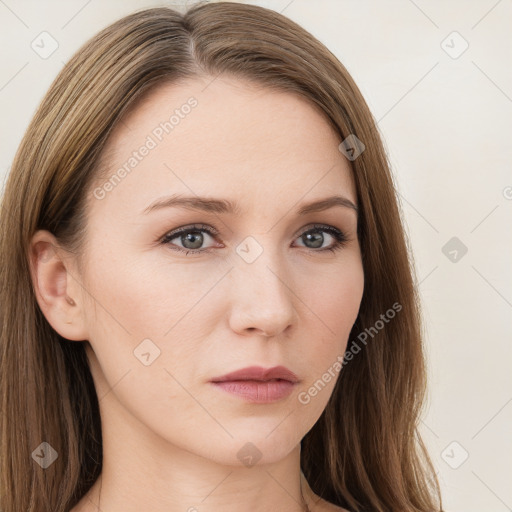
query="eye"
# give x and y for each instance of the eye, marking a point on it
(312, 236)
(192, 238)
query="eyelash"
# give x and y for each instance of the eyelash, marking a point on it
(339, 237)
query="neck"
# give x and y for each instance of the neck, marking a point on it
(201, 491)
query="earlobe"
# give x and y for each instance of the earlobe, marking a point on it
(55, 288)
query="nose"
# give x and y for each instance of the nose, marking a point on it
(262, 297)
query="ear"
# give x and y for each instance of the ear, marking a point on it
(58, 292)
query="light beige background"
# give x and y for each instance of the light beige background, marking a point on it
(447, 123)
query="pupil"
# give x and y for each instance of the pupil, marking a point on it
(317, 239)
(195, 238)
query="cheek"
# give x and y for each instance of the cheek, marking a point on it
(150, 295)
(145, 334)
(146, 315)
(335, 299)
(332, 309)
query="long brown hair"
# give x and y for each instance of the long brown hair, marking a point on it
(365, 452)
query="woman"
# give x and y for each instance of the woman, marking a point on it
(207, 301)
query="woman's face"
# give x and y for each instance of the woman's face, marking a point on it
(258, 286)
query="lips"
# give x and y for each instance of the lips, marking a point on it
(258, 373)
(258, 385)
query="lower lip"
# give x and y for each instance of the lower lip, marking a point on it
(257, 391)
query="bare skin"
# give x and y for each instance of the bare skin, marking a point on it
(171, 439)
(314, 502)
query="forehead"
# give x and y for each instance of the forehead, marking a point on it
(224, 137)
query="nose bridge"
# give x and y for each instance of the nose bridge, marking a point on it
(262, 295)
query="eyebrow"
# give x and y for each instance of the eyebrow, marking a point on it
(213, 205)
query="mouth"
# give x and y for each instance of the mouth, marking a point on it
(256, 384)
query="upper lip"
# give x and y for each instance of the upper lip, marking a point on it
(259, 373)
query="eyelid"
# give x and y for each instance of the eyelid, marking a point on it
(191, 227)
(216, 232)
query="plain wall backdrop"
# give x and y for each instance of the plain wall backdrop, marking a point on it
(438, 79)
